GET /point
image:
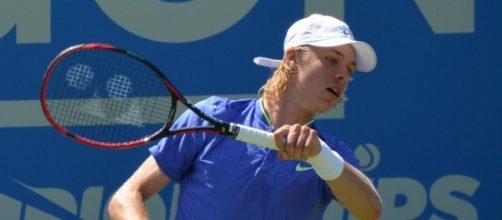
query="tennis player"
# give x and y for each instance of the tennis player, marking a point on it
(221, 178)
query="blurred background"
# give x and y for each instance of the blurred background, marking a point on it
(425, 124)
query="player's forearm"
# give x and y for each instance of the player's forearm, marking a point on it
(356, 193)
(350, 186)
(127, 205)
(129, 201)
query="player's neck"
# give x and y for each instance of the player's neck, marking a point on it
(281, 113)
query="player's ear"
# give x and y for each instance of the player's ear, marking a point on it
(291, 56)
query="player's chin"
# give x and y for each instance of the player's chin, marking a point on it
(326, 106)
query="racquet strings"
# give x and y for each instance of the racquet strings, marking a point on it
(107, 96)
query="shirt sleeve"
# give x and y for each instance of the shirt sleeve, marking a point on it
(175, 154)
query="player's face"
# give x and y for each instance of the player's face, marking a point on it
(323, 75)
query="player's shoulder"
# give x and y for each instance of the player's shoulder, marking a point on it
(221, 106)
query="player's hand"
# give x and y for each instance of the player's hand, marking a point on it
(296, 142)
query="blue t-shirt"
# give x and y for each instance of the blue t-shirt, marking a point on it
(221, 178)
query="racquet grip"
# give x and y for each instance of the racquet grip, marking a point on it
(328, 164)
(254, 136)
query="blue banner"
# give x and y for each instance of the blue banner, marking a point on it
(425, 124)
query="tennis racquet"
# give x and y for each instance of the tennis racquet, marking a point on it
(108, 97)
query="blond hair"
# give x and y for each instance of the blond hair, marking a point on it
(279, 80)
(277, 83)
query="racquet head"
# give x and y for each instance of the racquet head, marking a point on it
(107, 97)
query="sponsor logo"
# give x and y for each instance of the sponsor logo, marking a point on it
(301, 168)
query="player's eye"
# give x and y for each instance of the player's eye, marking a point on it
(332, 60)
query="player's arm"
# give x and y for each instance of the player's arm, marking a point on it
(129, 200)
(356, 193)
(349, 185)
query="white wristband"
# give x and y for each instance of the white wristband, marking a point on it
(328, 164)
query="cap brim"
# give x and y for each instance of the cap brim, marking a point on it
(267, 62)
(366, 59)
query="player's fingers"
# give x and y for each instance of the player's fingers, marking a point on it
(302, 148)
(280, 135)
(312, 144)
(291, 146)
(283, 155)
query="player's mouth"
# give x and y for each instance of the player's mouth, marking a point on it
(333, 91)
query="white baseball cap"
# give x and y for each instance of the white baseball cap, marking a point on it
(324, 31)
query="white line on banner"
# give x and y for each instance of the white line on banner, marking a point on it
(28, 113)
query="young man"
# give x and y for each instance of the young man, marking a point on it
(221, 178)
